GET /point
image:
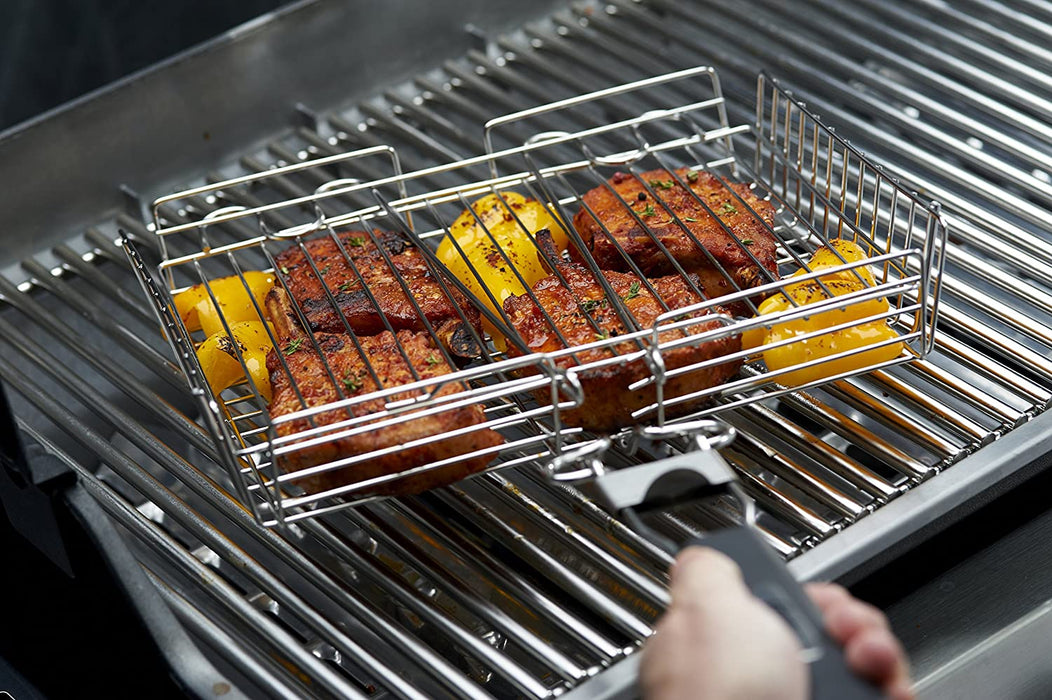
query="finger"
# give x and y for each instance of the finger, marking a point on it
(702, 574)
(900, 690)
(845, 620)
(827, 595)
(876, 654)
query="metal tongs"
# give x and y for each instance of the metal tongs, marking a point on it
(698, 474)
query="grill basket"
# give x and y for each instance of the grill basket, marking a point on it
(819, 186)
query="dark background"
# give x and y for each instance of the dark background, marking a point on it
(52, 51)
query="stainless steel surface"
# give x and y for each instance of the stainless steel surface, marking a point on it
(440, 594)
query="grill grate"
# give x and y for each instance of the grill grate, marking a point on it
(354, 601)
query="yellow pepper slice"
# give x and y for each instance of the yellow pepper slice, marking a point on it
(853, 338)
(826, 345)
(198, 312)
(219, 362)
(484, 254)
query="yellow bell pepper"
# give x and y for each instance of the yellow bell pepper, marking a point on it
(484, 254)
(198, 312)
(219, 362)
(827, 344)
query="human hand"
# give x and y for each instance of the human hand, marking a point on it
(717, 640)
(870, 648)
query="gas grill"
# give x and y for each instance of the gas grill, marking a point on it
(507, 584)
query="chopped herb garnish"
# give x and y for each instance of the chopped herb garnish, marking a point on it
(293, 346)
(351, 382)
(729, 208)
(345, 287)
(591, 305)
(325, 269)
(284, 270)
(356, 241)
(649, 211)
(690, 219)
(602, 335)
(432, 360)
(747, 241)
(692, 176)
(662, 184)
(633, 291)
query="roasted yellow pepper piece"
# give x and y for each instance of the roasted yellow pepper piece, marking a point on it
(515, 241)
(219, 362)
(853, 338)
(199, 313)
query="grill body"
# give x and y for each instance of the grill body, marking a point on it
(505, 585)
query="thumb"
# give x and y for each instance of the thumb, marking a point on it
(702, 574)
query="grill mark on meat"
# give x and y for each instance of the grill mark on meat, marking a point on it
(638, 242)
(608, 403)
(313, 374)
(352, 300)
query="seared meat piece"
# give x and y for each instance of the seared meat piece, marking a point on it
(608, 402)
(350, 368)
(638, 240)
(363, 316)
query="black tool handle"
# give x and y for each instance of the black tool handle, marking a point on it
(770, 581)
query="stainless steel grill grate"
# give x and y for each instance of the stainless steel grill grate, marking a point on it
(440, 594)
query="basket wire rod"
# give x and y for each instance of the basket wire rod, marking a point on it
(443, 276)
(527, 288)
(1003, 198)
(183, 349)
(363, 611)
(840, 208)
(460, 165)
(267, 173)
(585, 98)
(239, 197)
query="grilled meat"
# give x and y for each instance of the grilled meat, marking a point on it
(364, 271)
(342, 370)
(638, 239)
(580, 313)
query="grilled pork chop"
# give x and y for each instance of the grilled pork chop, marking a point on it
(637, 240)
(608, 403)
(352, 299)
(349, 366)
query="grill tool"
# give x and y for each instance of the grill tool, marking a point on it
(699, 474)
